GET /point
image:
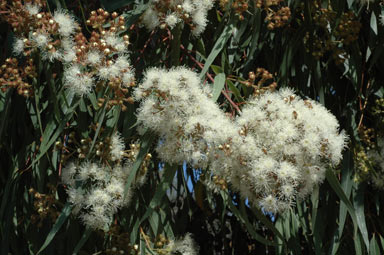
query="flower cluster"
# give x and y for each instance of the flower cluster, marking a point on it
(185, 246)
(97, 190)
(101, 192)
(293, 148)
(42, 31)
(169, 13)
(276, 151)
(181, 112)
(102, 59)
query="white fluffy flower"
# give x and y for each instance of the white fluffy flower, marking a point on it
(185, 246)
(269, 203)
(117, 147)
(171, 20)
(68, 173)
(150, 18)
(52, 55)
(67, 24)
(69, 56)
(93, 57)
(33, 9)
(76, 80)
(18, 46)
(41, 40)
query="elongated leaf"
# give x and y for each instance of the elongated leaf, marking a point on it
(358, 202)
(331, 178)
(346, 184)
(144, 148)
(56, 227)
(374, 246)
(217, 48)
(373, 23)
(244, 219)
(268, 223)
(83, 240)
(164, 185)
(218, 86)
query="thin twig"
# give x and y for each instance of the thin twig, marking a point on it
(212, 80)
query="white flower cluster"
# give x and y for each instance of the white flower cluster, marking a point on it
(377, 157)
(185, 246)
(295, 141)
(103, 58)
(170, 13)
(187, 120)
(53, 39)
(97, 191)
(276, 151)
(102, 193)
(105, 61)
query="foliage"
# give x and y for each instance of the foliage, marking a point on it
(328, 51)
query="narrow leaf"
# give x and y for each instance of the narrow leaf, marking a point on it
(56, 227)
(218, 86)
(219, 45)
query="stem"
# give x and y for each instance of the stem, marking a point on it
(175, 45)
(233, 104)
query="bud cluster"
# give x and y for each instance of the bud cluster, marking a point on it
(322, 39)
(46, 206)
(276, 15)
(261, 81)
(12, 76)
(376, 166)
(120, 242)
(369, 164)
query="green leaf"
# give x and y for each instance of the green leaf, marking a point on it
(164, 185)
(268, 223)
(374, 248)
(331, 178)
(218, 86)
(346, 184)
(357, 243)
(56, 227)
(217, 69)
(217, 48)
(83, 240)
(235, 91)
(144, 148)
(358, 202)
(242, 217)
(373, 23)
